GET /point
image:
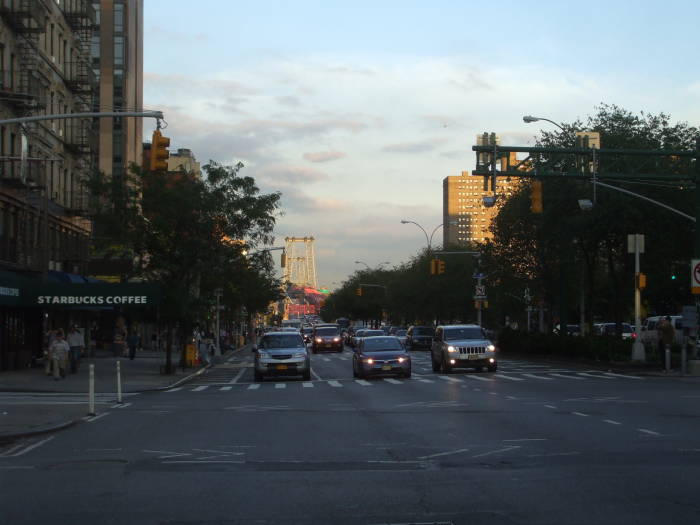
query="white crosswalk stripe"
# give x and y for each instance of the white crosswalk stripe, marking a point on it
(543, 378)
(423, 380)
(175, 389)
(254, 386)
(510, 378)
(479, 378)
(200, 388)
(280, 385)
(568, 377)
(362, 382)
(613, 374)
(334, 383)
(392, 381)
(451, 379)
(595, 376)
(226, 388)
(307, 384)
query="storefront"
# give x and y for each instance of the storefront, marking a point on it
(20, 325)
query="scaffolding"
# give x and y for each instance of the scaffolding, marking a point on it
(301, 261)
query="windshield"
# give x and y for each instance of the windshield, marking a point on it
(381, 344)
(400, 333)
(269, 342)
(327, 331)
(423, 330)
(456, 334)
(369, 333)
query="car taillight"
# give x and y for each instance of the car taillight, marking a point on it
(634, 335)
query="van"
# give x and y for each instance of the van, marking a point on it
(650, 336)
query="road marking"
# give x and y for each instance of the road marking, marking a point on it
(452, 379)
(226, 388)
(568, 377)
(613, 374)
(334, 383)
(510, 378)
(200, 388)
(392, 381)
(597, 376)
(313, 372)
(533, 376)
(424, 380)
(525, 439)
(121, 405)
(175, 389)
(254, 386)
(362, 382)
(30, 447)
(612, 422)
(551, 454)
(580, 414)
(326, 359)
(280, 385)
(511, 397)
(95, 418)
(650, 432)
(238, 376)
(440, 454)
(496, 451)
(551, 406)
(307, 384)
(478, 378)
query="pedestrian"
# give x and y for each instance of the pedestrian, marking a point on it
(205, 342)
(76, 343)
(58, 353)
(50, 337)
(132, 341)
(667, 334)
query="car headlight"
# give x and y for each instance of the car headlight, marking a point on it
(451, 349)
(336, 339)
(491, 348)
(369, 361)
(299, 355)
(319, 340)
(403, 359)
(262, 353)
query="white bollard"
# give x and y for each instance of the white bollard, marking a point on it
(119, 382)
(91, 395)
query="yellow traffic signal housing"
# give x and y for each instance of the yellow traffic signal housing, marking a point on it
(283, 260)
(440, 266)
(433, 266)
(536, 196)
(641, 279)
(159, 152)
(359, 292)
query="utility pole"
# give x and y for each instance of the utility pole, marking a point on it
(218, 292)
(635, 244)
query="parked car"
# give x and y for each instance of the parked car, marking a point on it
(462, 346)
(281, 354)
(326, 338)
(610, 329)
(419, 337)
(379, 355)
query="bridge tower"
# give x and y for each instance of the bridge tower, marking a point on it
(301, 261)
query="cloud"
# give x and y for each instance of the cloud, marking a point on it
(324, 156)
(289, 100)
(413, 147)
(286, 175)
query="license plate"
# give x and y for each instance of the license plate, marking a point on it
(282, 367)
(475, 356)
(386, 367)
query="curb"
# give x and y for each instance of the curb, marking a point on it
(41, 430)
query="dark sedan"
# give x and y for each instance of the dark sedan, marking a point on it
(326, 338)
(380, 355)
(419, 337)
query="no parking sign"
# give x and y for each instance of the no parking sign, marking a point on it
(695, 276)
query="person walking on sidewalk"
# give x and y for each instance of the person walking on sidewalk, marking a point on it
(76, 343)
(132, 341)
(667, 335)
(58, 353)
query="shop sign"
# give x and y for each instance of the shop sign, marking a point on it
(91, 299)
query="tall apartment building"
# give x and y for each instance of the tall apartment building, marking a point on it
(465, 218)
(117, 56)
(183, 161)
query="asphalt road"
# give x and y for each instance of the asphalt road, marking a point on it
(529, 444)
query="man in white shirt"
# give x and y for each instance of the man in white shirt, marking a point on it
(76, 342)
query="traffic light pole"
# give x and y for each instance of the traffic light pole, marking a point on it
(96, 114)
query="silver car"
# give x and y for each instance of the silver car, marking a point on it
(462, 346)
(281, 354)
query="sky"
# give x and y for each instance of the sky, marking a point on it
(356, 110)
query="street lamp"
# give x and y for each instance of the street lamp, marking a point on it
(529, 118)
(428, 240)
(363, 262)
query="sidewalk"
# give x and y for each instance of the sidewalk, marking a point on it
(33, 403)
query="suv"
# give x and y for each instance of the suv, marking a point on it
(419, 337)
(326, 338)
(462, 346)
(281, 353)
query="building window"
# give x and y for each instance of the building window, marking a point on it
(118, 18)
(118, 50)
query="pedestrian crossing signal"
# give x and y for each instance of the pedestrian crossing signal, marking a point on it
(437, 266)
(358, 292)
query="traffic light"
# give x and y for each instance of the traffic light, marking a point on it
(440, 267)
(673, 276)
(437, 266)
(159, 152)
(641, 281)
(358, 292)
(433, 266)
(283, 260)
(536, 196)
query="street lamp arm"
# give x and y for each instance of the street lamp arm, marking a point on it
(527, 119)
(427, 240)
(430, 242)
(666, 206)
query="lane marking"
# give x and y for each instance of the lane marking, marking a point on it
(452, 379)
(424, 380)
(253, 386)
(580, 414)
(479, 378)
(318, 377)
(392, 381)
(121, 405)
(280, 385)
(650, 432)
(510, 378)
(569, 377)
(612, 422)
(533, 376)
(95, 418)
(525, 439)
(200, 388)
(552, 454)
(440, 454)
(238, 376)
(497, 451)
(334, 383)
(226, 388)
(175, 389)
(597, 376)
(362, 382)
(31, 447)
(551, 406)
(493, 393)
(307, 384)
(326, 359)
(621, 375)
(511, 397)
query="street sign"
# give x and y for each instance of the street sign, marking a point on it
(479, 276)
(695, 276)
(634, 241)
(480, 290)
